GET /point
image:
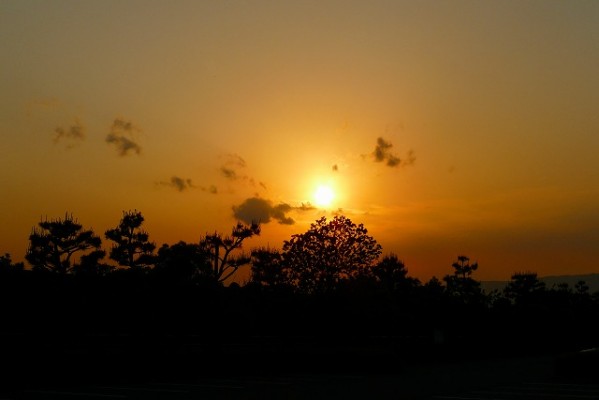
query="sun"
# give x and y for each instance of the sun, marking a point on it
(323, 196)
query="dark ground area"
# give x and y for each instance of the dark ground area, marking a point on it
(265, 368)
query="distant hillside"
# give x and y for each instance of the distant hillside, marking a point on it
(592, 280)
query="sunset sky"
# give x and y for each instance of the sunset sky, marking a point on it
(445, 127)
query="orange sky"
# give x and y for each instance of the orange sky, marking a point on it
(185, 110)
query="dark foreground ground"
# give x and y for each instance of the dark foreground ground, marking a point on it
(303, 370)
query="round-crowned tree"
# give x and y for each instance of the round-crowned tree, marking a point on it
(328, 254)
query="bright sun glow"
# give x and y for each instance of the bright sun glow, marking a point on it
(323, 196)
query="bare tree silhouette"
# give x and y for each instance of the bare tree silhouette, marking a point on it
(220, 250)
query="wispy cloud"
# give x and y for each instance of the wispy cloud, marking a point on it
(210, 189)
(256, 209)
(184, 184)
(70, 135)
(228, 173)
(233, 169)
(33, 107)
(232, 165)
(122, 136)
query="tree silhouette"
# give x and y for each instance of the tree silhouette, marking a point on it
(460, 284)
(183, 263)
(268, 268)
(391, 272)
(328, 254)
(132, 247)
(90, 265)
(220, 250)
(581, 287)
(463, 268)
(6, 264)
(52, 245)
(523, 287)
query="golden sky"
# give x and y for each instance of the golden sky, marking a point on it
(445, 127)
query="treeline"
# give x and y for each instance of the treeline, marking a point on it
(325, 291)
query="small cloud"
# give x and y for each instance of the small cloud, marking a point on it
(235, 160)
(181, 184)
(382, 153)
(306, 207)
(210, 189)
(381, 149)
(122, 135)
(260, 210)
(232, 169)
(410, 159)
(228, 173)
(232, 164)
(72, 134)
(178, 183)
(393, 161)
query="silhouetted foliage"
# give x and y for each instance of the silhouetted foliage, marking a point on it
(392, 273)
(434, 286)
(524, 287)
(220, 250)
(268, 269)
(52, 245)
(324, 297)
(90, 265)
(581, 288)
(460, 285)
(183, 263)
(328, 254)
(463, 268)
(7, 266)
(132, 247)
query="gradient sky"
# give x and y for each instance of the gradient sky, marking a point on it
(445, 127)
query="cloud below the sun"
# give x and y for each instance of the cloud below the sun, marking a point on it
(263, 211)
